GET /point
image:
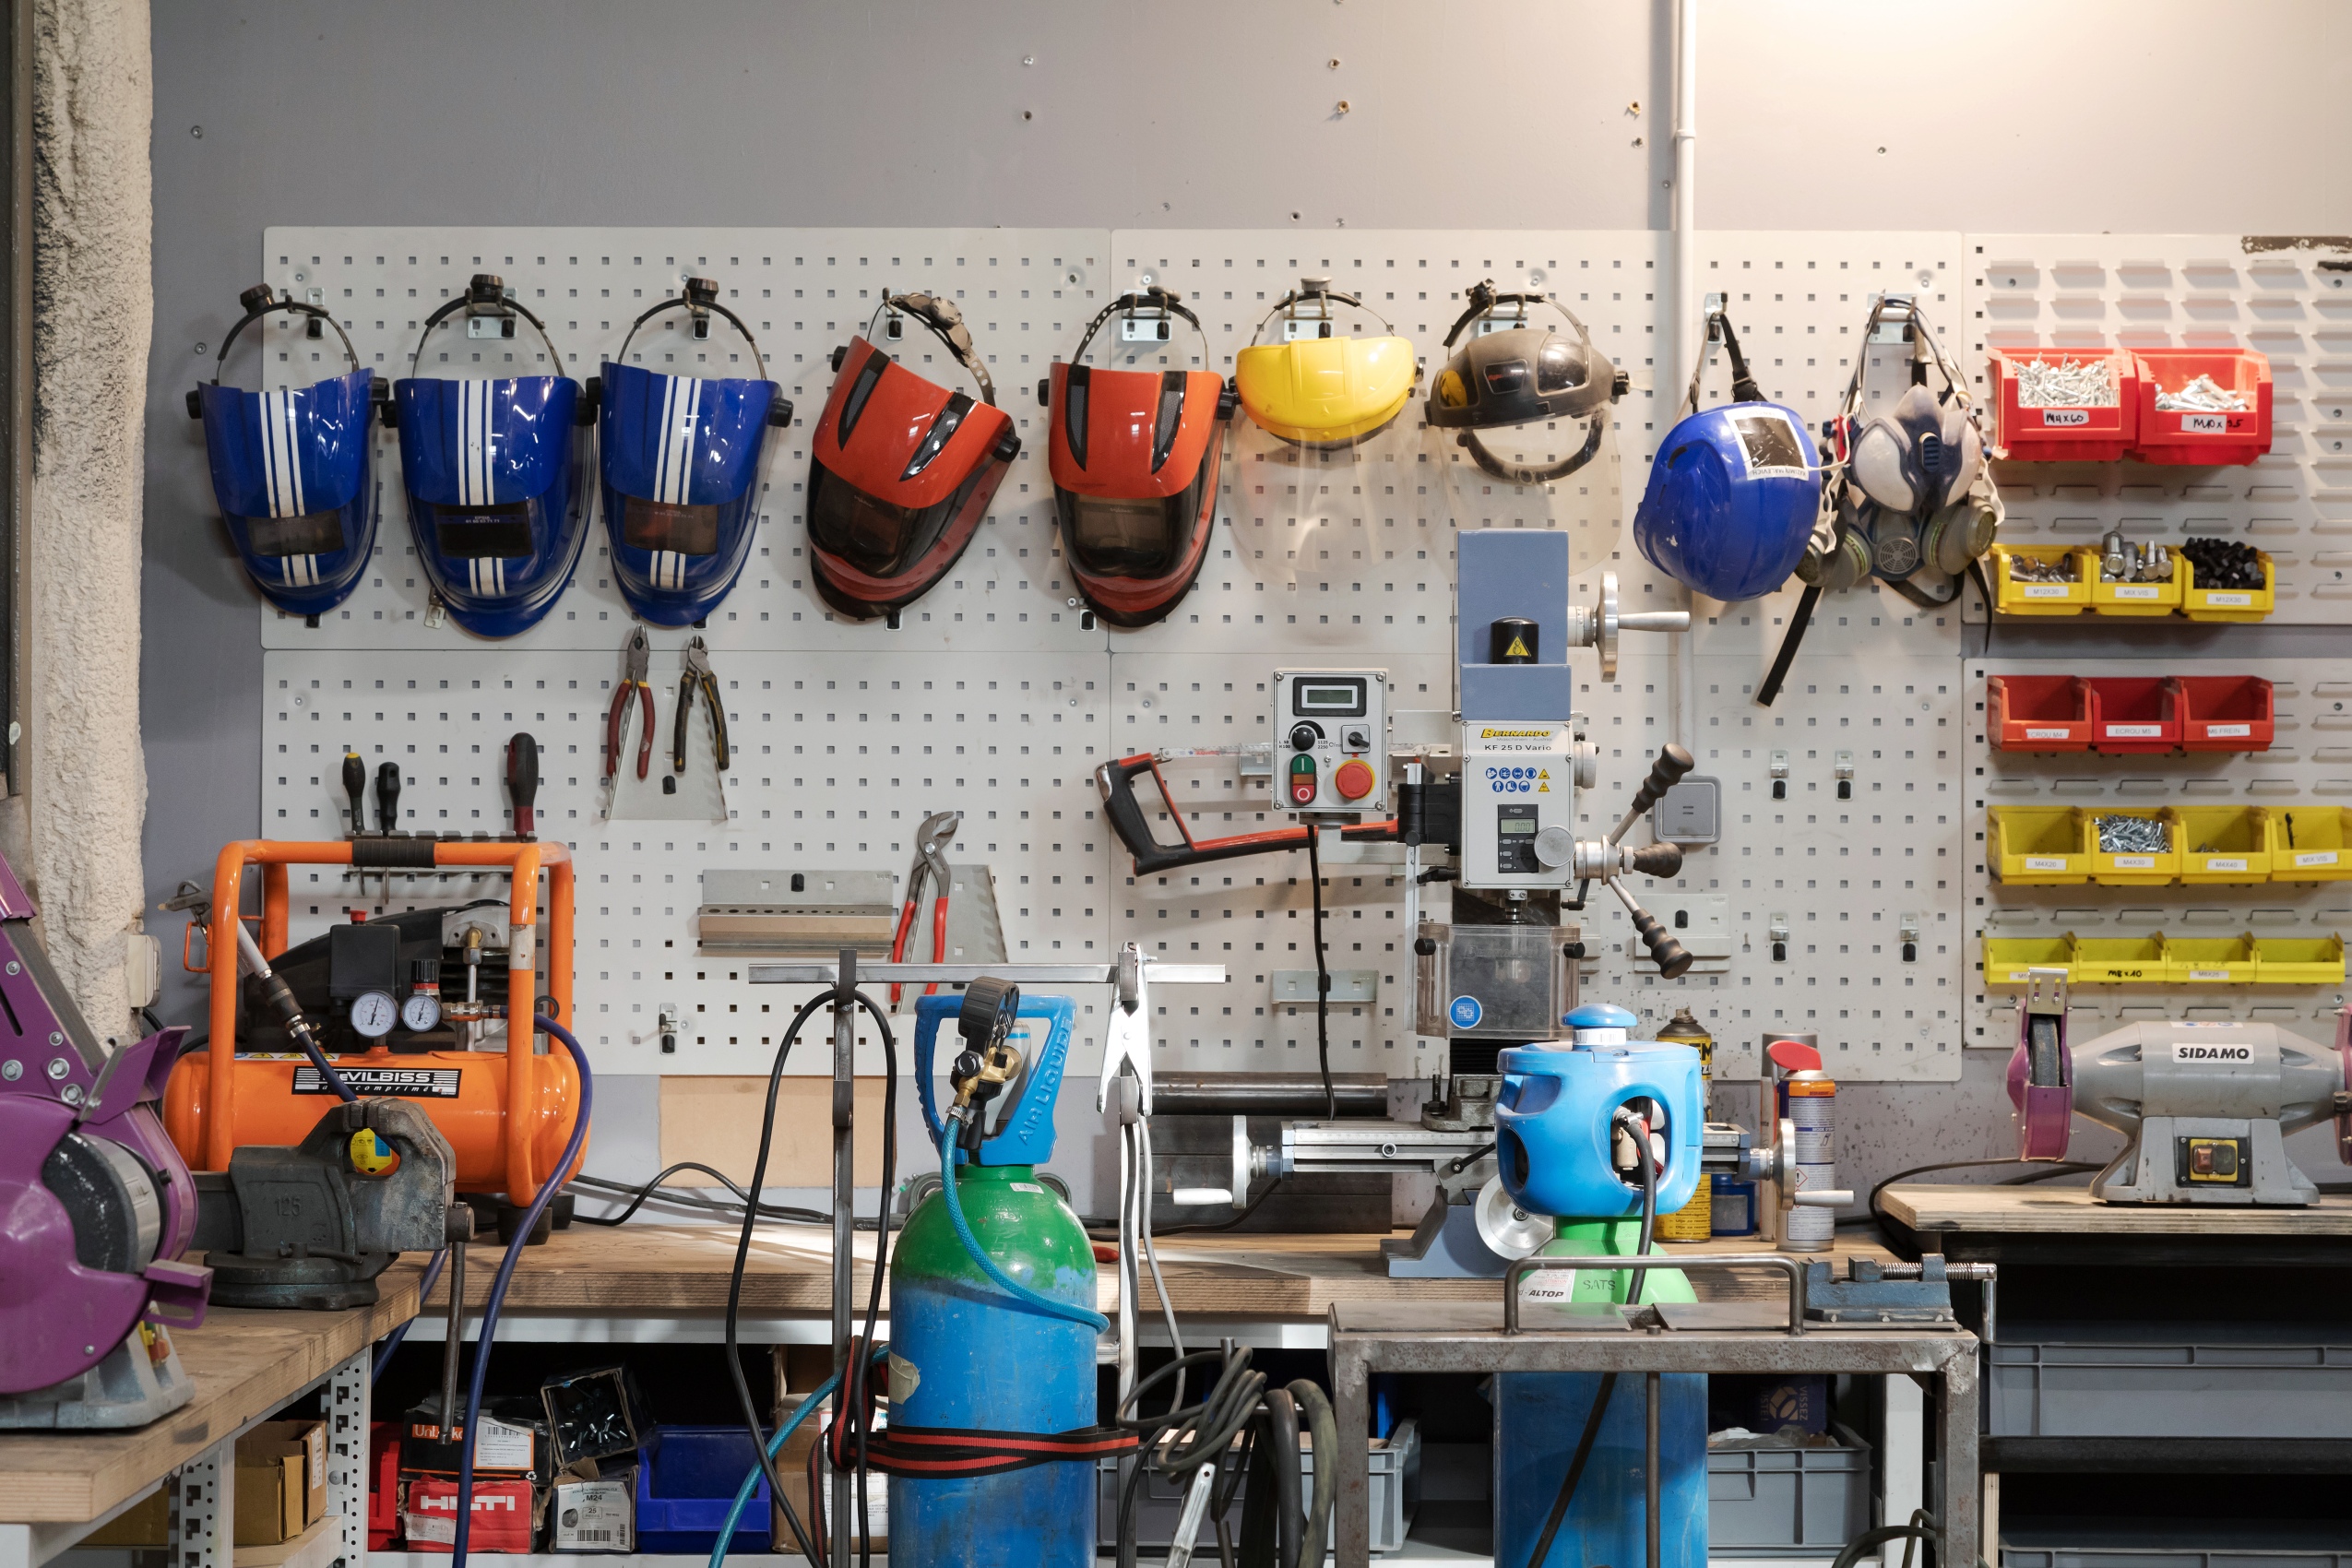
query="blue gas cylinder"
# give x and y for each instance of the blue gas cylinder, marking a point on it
(1552, 1145)
(963, 1354)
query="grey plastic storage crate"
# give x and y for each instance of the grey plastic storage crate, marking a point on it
(2137, 1379)
(2124, 1543)
(1395, 1494)
(1788, 1502)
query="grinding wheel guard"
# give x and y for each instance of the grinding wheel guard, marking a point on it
(2041, 1089)
(1116, 780)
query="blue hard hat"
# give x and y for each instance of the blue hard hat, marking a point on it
(293, 470)
(497, 475)
(1732, 496)
(681, 462)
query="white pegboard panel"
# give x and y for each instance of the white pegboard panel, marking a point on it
(2309, 762)
(1349, 576)
(2292, 302)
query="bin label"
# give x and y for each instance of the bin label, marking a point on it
(2045, 590)
(2137, 590)
(2034, 735)
(2133, 863)
(2045, 862)
(2208, 974)
(2206, 424)
(2315, 858)
(2065, 417)
(2225, 863)
(2226, 601)
(2133, 732)
(2219, 730)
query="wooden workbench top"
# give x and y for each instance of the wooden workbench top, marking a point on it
(683, 1270)
(2043, 1209)
(245, 1363)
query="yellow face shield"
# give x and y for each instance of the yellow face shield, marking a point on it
(1325, 391)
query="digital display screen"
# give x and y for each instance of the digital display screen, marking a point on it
(1328, 699)
(1517, 828)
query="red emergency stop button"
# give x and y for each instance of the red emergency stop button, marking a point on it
(1303, 780)
(1354, 780)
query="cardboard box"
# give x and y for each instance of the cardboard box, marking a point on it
(506, 1513)
(146, 1524)
(597, 1515)
(510, 1439)
(281, 1481)
(801, 1369)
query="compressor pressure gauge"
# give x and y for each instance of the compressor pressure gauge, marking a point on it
(374, 1014)
(422, 1010)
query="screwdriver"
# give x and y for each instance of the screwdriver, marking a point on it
(522, 781)
(387, 809)
(355, 786)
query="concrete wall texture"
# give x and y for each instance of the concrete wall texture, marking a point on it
(2003, 115)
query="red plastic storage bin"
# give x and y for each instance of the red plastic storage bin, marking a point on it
(2036, 713)
(2133, 713)
(2093, 434)
(384, 1486)
(2185, 436)
(2225, 713)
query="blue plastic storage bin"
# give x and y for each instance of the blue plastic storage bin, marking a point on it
(686, 1478)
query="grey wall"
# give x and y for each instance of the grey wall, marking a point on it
(2005, 115)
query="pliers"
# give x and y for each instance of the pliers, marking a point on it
(931, 840)
(636, 657)
(698, 676)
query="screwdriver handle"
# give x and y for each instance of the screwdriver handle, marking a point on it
(355, 786)
(522, 780)
(387, 796)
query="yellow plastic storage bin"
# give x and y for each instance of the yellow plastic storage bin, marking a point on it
(2299, 960)
(2132, 869)
(2222, 844)
(2008, 957)
(2311, 844)
(2130, 598)
(2116, 961)
(2210, 960)
(2036, 846)
(2227, 604)
(2012, 597)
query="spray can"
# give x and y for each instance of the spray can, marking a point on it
(1694, 1221)
(1809, 1101)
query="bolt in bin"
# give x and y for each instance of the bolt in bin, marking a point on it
(2099, 432)
(2116, 961)
(2299, 960)
(2210, 960)
(2228, 844)
(2225, 713)
(2036, 846)
(2036, 713)
(2228, 604)
(2131, 599)
(2133, 713)
(2132, 868)
(686, 1482)
(1779, 1500)
(2007, 958)
(2183, 436)
(2309, 844)
(2015, 595)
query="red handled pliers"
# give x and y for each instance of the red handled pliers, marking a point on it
(637, 658)
(931, 840)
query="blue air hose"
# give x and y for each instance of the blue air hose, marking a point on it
(949, 1157)
(774, 1446)
(528, 1222)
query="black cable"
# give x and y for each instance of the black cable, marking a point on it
(2048, 1172)
(1222, 1225)
(863, 1359)
(1879, 1214)
(1322, 978)
(638, 1197)
(1224, 1411)
(735, 1292)
(1802, 616)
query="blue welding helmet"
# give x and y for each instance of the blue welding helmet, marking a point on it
(496, 474)
(1732, 497)
(680, 457)
(291, 469)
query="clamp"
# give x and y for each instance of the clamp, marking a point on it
(1126, 1043)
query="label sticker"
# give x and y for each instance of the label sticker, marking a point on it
(2059, 417)
(1770, 444)
(2315, 858)
(2208, 974)
(2206, 424)
(409, 1083)
(2045, 862)
(2225, 863)
(2133, 863)
(2227, 600)
(905, 1378)
(2137, 590)
(2133, 732)
(2031, 734)
(1466, 1012)
(2045, 591)
(2219, 730)
(1025, 1186)
(2204, 1054)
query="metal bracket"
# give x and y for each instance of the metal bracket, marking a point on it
(348, 1410)
(203, 1510)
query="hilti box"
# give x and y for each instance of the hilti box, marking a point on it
(505, 1514)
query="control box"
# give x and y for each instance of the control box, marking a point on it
(1518, 804)
(1331, 742)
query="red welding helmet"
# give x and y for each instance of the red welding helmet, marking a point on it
(1135, 455)
(901, 469)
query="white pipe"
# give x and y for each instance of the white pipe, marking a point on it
(1688, 338)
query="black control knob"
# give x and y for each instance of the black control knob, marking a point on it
(1304, 737)
(1426, 946)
